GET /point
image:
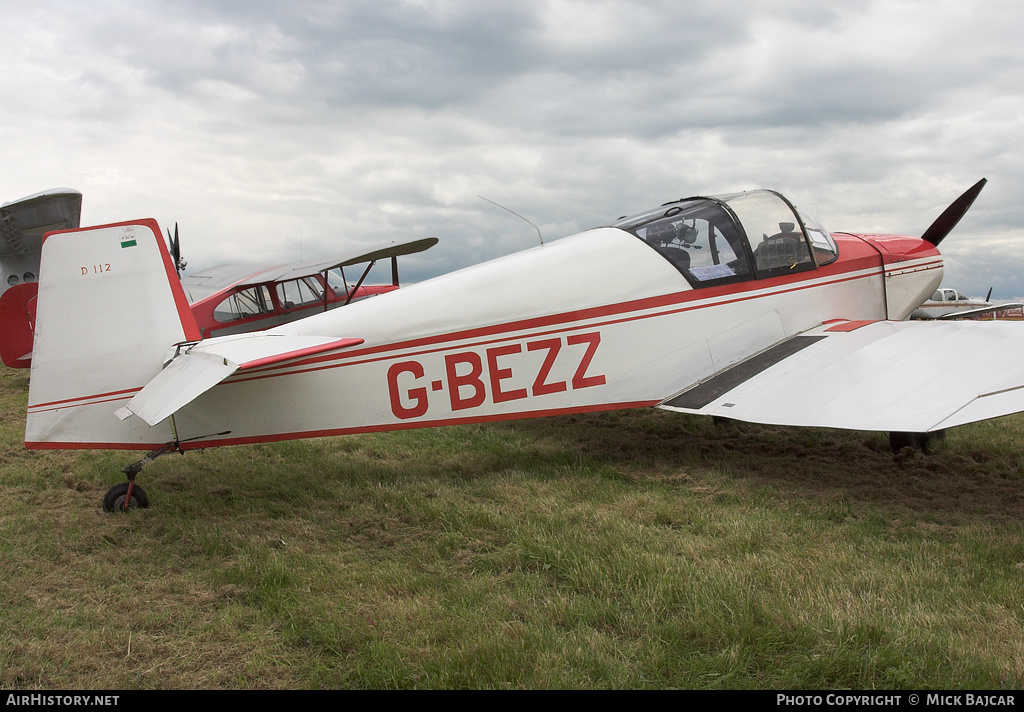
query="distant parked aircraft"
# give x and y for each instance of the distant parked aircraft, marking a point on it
(948, 303)
(23, 223)
(236, 298)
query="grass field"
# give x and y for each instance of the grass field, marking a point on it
(635, 549)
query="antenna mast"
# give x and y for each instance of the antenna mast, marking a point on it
(514, 213)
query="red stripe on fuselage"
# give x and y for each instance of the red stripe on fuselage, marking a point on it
(858, 256)
(413, 425)
(729, 294)
(69, 402)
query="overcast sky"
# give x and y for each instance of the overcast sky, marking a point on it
(279, 131)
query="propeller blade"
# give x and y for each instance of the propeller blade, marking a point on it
(175, 246)
(945, 223)
(988, 297)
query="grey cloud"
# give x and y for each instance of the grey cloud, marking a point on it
(264, 124)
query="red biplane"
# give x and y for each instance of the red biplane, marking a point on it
(235, 298)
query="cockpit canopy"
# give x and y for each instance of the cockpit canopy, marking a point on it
(733, 238)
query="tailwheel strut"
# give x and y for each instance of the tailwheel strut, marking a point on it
(126, 496)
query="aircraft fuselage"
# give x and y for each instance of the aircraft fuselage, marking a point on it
(615, 317)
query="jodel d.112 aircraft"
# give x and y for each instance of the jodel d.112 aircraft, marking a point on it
(740, 306)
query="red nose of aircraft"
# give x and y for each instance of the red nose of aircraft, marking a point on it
(899, 248)
(913, 265)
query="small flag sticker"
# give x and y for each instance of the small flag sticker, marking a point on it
(128, 238)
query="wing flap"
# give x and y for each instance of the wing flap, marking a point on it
(199, 368)
(887, 376)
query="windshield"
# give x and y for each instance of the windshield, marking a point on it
(774, 234)
(243, 304)
(824, 246)
(698, 236)
(734, 237)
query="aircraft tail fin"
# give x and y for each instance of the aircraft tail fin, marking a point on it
(110, 307)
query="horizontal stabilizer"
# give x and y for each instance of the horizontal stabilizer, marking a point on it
(199, 368)
(916, 376)
(183, 380)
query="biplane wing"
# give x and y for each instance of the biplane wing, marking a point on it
(354, 257)
(26, 220)
(23, 223)
(881, 375)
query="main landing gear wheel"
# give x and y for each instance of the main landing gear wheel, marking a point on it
(922, 442)
(114, 499)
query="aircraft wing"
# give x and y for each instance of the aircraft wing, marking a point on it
(355, 257)
(889, 376)
(23, 222)
(198, 368)
(971, 313)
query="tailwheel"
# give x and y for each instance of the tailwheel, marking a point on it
(128, 495)
(118, 498)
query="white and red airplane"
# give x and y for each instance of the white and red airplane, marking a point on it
(948, 303)
(739, 306)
